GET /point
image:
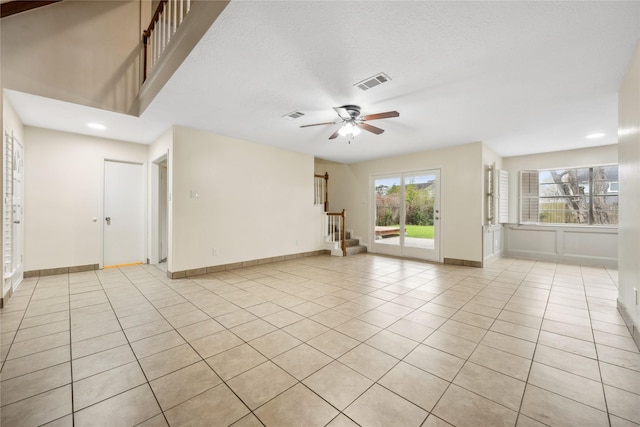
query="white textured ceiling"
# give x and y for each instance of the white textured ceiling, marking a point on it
(522, 77)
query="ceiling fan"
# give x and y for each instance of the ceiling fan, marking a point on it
(352, 121)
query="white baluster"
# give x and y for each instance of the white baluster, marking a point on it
(174, 27)
(169, 26)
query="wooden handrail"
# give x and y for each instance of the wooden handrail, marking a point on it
(18, 6)
(343, 229)
(326, 189)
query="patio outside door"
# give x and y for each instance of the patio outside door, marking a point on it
(406, 214)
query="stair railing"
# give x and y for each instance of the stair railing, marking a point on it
(321, 190)
(167, 18)
(337, 230)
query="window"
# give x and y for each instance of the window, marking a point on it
(587, 195)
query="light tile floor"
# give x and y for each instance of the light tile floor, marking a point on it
(364, 340)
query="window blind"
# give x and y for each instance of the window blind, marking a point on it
(503, 196)
(529, 191)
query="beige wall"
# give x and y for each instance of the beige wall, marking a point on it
(607, 154)
(253, 201)
(63, 194)
(629, 154)
(70, 51)
(461, 201)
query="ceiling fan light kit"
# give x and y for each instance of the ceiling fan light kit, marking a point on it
(352, 122)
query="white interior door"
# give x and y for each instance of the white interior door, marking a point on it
(124, 210)
(406, 214)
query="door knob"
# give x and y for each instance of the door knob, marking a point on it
(108, 219)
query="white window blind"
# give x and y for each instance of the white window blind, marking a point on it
(503, 196)
(529, 191)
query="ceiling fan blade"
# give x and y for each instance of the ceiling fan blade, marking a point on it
(381, 115)
(370, 128)
(335, 134)
(319, 124)
(343, 113)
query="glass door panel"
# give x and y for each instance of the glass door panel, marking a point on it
(419, 198)
(387, 210)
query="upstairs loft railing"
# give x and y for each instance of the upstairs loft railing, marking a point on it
(337, 229)
(321, 190)
(164, 24)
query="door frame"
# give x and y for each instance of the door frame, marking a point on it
(400, 250)
(156, 206)
(102, 207)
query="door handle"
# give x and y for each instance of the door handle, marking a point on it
(108, 219)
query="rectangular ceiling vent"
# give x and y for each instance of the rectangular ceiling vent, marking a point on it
(293, 115)
(373, 81)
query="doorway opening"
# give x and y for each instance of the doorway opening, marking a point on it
(159, 245)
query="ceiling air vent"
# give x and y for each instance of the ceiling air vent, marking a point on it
(293, 115)
(373, 81)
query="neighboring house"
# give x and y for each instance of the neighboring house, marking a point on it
(233, 201)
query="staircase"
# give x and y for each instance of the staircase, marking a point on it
(353, 246)
(335, 224)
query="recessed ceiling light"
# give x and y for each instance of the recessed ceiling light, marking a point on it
(596, 135)
(97, 126)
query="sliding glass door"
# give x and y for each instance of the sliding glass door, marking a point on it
(406, 214)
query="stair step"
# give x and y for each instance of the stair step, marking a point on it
(352, 250)
(352, 242)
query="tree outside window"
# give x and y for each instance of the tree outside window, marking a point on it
(587, 195)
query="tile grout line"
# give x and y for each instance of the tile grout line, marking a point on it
(132, 351)
(475, 348)
(535, 348)
(73, 418)
(604, 394)
(202, 359)
(19, 324)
